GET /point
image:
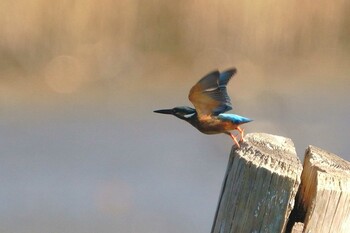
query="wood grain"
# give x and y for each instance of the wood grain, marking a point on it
(259, 187)
(324, 194)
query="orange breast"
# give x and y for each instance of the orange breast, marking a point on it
(212, 125)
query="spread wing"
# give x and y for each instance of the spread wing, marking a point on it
(209, 95)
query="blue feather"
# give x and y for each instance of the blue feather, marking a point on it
(236, 119)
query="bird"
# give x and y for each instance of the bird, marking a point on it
(211, 101)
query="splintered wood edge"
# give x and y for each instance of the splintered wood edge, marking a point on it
(274, 153)
(323, 171)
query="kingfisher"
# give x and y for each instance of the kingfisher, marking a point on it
(211, 101)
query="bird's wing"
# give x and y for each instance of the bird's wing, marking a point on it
(209, 95)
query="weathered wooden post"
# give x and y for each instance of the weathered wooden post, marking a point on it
(323, 199)
(259, 187)
(262, 181)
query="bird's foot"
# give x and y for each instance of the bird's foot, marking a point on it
(234, 139)
(241, 131)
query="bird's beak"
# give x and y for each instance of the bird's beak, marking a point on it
(165, 111)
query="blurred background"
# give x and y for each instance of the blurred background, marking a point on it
(81, 149)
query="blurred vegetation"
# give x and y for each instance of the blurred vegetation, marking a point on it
(74, 46)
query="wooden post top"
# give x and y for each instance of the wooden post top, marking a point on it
(328, 164)
(272, 152)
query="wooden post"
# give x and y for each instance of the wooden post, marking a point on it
(324, 193)
(259, 187)
(297, 228)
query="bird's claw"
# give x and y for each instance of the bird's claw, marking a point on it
(241, 131)
(234, 139)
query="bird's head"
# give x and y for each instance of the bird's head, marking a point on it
(182, 112)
